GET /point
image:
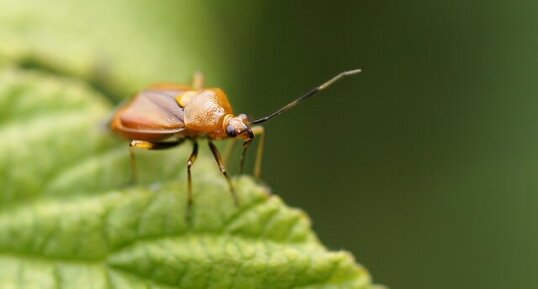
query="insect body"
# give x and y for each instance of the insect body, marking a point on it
(165, 115)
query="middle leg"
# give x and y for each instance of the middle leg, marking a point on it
(222, 168)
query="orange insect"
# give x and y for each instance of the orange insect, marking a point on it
(165, 115)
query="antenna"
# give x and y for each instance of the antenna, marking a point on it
(308, 94)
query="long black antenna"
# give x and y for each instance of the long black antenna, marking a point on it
(307, 95)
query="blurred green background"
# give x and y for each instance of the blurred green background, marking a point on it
(424, 166)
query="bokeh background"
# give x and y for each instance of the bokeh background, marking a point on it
(425, 166)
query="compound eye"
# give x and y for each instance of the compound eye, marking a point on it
(230, 130)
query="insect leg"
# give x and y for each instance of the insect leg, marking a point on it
(256, 131)
(146, 145)
(134, 170)
(222, 168)
(242, 157)
(259, 131)
(190, 162)
(198, 80)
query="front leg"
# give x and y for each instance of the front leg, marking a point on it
(258, 131)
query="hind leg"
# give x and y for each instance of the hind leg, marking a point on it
(146, 145)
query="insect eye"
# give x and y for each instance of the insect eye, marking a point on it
(230, 130)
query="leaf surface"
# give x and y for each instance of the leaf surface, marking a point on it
(68, 219)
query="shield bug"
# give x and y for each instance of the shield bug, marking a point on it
(167, 114)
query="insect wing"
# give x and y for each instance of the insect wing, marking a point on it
(151, 114)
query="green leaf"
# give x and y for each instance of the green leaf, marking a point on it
(69, 220)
